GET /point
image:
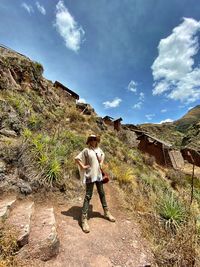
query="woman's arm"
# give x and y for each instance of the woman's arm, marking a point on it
(79, 162)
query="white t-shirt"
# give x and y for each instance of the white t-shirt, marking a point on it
(88, 157)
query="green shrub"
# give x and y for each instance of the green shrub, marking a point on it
(52, 154)
(197, 195)
(171, 211)
(38, 68)
(152, 181)
(52, 172)
(26, 133)
(122, 173)
(34, 122)
(19, 102)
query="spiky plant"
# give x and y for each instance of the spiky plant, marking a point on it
(52, 172)
(171, 211)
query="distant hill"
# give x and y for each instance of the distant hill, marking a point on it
(182, 132)
(165, 131)
(190, 118)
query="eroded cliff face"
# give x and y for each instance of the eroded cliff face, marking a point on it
(18, 72)
(28, 101)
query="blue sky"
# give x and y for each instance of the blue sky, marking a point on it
(135, 59)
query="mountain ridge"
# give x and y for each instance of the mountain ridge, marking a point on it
(182, 132)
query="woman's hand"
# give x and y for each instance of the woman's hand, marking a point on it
(85, 167)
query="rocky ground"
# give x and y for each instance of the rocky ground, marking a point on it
(49, 232)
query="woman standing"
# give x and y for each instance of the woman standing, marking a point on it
(89, 161)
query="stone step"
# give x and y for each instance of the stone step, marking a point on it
(43, 240)
(20, 219)
(6, 206)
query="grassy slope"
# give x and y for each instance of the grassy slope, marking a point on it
(191, 117)
(166, 132)
(185, 131)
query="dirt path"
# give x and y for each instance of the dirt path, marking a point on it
(107, 244)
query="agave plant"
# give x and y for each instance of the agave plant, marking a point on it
(52, 172)
(171, 211)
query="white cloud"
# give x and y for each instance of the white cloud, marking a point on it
(112, 104)
(190, 108)
(149, 116)
(167, 120)
(81, 100)
(27, 7)
(137, 105)
(141, 96)
(40, 8)
(68, 28)
(132, 86)
(163, 110)
(173, 70)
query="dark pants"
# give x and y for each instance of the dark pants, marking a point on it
(88, 195)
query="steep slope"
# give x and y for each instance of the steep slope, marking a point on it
(189, 124)
(190, 118)
(39, 126)
(192, 137)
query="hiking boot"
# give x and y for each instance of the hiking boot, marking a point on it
(108, 215)
(84, 223)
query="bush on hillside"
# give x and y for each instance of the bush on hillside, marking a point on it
(38, 68)
(171, 211)
(51, 156)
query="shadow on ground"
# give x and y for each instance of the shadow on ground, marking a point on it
(75, 213)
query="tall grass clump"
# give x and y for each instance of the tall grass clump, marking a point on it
(19, 102)
(122, 173)
(172, 212)
(151, 182)
(51, 155)
(38, 68)
(34, 122)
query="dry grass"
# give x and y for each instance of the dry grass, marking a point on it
(188, 170)
(122, 173)
(8, 246)
(163, 213)
(74, 115)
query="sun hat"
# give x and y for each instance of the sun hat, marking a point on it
(92, 137)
